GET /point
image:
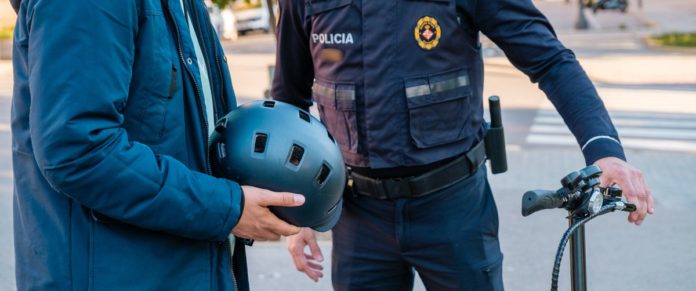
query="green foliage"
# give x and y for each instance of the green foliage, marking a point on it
(6, 32)
(676, 39)
(222, 3)
(238, 4)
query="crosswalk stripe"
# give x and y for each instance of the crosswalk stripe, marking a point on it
(637, 129)
(4, 127)
(634, 122)
(634, 114)
(635, 143)
(625, 131)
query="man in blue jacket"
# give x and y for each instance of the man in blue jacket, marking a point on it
(113, 102)
(399, 86)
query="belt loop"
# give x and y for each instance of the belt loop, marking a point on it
(476, 156)
(380, 189)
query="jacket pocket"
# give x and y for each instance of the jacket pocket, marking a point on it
(125, 257)
(320, 6)
(336, 105)
(146, 111)
(438, 108)
(155, 82)
(101, 218)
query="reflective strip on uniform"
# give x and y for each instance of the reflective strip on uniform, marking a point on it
(427, 89)
(416, 91)
(345, 94)
(339, 94)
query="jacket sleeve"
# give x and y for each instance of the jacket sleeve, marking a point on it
(294, 71)
(80, 58)
(528, 40)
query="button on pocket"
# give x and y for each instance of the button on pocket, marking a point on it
(438, 107)
(336, 105)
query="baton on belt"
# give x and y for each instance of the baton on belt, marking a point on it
(495, 138)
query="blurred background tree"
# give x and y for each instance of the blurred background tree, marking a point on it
(223, 3)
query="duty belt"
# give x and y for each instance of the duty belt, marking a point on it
(423, 184)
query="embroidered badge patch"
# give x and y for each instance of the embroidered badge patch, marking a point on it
(427, 33)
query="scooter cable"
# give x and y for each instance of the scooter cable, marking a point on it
(566, 236)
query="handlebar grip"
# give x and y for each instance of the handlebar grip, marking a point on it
(535, 200)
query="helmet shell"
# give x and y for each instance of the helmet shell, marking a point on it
(279, 147)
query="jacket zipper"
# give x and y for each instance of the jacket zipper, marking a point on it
(233, 266)
(195, 84)
(201, 113)
(211, 38)
(229, 245)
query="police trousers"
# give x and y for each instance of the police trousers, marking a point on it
(449, 237)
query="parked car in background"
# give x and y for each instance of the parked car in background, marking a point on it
(250, 17)
(215, 16)
(229, 24)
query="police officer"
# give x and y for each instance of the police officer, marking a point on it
(399, 85)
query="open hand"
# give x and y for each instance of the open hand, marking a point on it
(309, 264)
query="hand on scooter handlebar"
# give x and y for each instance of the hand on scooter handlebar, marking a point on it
(580, 194)
(614, 195)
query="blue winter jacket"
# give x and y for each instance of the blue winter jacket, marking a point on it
(109, 149)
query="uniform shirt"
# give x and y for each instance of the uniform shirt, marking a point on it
(399, 83)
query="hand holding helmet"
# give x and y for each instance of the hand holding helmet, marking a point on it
(277, 146)
(257, 221)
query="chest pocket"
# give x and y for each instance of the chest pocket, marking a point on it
(319, 6)
(155, 80)
(438, 108)
(336, 105)
(335, 37)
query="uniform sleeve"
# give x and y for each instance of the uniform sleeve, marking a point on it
(528, 40)
(80, 69)
(294, 71)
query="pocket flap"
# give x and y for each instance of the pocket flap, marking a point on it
(316, 7)
(437, 88)
(336, 96)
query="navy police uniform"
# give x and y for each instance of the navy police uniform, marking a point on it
(398, 83)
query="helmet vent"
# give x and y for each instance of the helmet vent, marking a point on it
(324, 172)
(304, 116)
(222, 150)
(330, 136)
(260, 142)
(333, 207)
(296, 154)
(269, 104)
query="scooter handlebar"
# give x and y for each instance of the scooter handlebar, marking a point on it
(535, 200)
